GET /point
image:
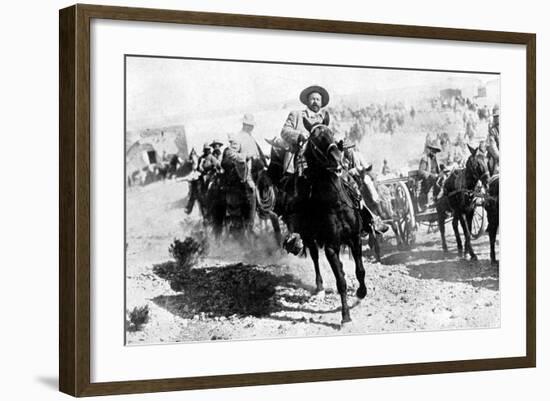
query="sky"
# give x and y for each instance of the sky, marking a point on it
(164, 91)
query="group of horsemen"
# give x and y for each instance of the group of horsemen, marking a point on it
(243, 159)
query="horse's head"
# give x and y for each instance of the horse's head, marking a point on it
(476, 166)
(321, 148)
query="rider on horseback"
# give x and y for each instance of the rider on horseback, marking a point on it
(207, 165)
(243, 159)
(360, 171)
(493, 139)
(429, 171)
(295, 134)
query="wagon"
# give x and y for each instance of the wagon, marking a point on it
(407, 216)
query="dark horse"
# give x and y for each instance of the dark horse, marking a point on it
(230, 203)
(326, 215)
(492, 207)
(458, 198)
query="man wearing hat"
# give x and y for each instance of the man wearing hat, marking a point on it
(429, 172)
(315, 98)
(237, 165)
(361, 171)
(352, 160)
(207, 164)
(216, 149)
(493, 139)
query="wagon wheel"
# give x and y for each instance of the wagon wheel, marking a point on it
(478, 221)
(405, 218)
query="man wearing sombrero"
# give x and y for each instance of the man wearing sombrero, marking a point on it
(429, 171)
(493, 139)
(294, 133)
(217, 149)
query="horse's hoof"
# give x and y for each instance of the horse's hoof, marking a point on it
(361, 292)
(345, 322)
(473, 258)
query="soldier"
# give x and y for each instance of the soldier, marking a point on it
(352, 160)
(207, 164)
(237, 165)
(429, 172)
(194, 180)
(294, 133)
(216, 149)
(493, 139)
(249, 147)
(359, 170)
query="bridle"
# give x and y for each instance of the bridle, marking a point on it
(322, 157)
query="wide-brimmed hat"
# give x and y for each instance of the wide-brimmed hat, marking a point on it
(249, 119)
(347, 144)
(216, 142)
(315, 88)
(433, 145)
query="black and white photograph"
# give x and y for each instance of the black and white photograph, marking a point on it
(270, 200)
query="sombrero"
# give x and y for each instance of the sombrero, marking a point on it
(347, 144)
(315, 88)
(434, 146)
(216, 142)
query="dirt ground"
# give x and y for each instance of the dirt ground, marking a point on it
(239, 292)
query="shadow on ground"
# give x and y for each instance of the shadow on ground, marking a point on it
(477, 274)
(237, 289)
(446, 266)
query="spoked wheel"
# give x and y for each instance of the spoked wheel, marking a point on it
(405, 220)
(478, 221)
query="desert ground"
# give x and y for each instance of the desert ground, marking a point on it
(241, 291)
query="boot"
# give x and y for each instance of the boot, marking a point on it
(369, 217)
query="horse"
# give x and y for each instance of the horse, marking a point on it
(492, 207)
(216, 205)
(458, 198)
(325, 215)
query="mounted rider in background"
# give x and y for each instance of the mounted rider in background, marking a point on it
(429, 171)
(493, 141)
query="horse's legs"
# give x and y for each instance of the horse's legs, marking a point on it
(276, 229)
(441, 215)
(457, 236)
(355, 246)
(337, 269)
(373, 243)
(492, 217)
(314, 253)
(467, 239)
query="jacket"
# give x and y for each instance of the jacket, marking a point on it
(294, 159)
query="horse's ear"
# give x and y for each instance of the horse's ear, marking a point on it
(326, 119)
(472, 150)
(307, 125)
